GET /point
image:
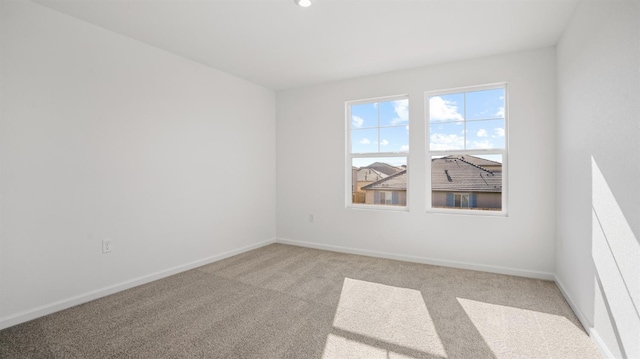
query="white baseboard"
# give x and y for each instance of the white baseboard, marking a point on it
(31, 314)
(588, 326)
(423, 260)
(606, 353)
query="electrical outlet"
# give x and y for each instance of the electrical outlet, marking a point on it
(106, 246)
(311, 218)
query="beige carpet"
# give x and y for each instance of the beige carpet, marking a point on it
(282, 301)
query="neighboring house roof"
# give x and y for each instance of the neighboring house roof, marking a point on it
(447, 174)
(370, 175)
(475, 160)
(457, 174)
(395, 182)
(384, 168)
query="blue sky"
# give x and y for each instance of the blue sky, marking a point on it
(484, 125)
(384, 126)
(380, 127)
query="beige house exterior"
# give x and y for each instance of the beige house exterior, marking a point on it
(456, 182)
(483, 200)
(391, 190)
(365, 176)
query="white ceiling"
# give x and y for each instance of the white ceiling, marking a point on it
(279, 45)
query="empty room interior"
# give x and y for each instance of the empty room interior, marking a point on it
(320, 179)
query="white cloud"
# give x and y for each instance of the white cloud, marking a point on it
(499, 131)
(401, 108)
(482, 133)
(357, 122)
(442, 110)
(404, 148)
(440, 141)
(500, 112)
(384, 142)
(481, 144)
(365, 141)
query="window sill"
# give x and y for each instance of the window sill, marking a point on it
(373, 207)
(468, 212)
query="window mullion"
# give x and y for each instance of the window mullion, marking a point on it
(378, 113)
(464, 101)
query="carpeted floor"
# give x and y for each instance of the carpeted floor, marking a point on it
(282, 301)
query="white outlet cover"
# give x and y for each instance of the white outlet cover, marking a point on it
(106, 246)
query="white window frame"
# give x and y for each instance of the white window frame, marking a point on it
(504, 152)
(350, 156)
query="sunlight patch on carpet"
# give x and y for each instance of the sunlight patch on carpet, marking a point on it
(520, 333)
(392, 315)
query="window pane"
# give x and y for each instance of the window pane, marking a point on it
(464, 201)
(485, 134)
(446, 136)
(485, 104)
(446, 108)
(394, 113)
(364, 141)
(380, 181)
(394, 139)
(364, 116)
(470, 182)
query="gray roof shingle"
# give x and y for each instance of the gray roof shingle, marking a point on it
(448, 174)
(396, 182)
(384, 168)
(475, 160)
(456, 174)
(370, 174)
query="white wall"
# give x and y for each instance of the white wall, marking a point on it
(311, 171)
(598, 252)
(103, 136)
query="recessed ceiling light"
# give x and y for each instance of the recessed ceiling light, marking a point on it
(303, 3)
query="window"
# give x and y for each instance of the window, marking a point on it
(459, 200)
(467, 148)
(377, 150)
(386, 197)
